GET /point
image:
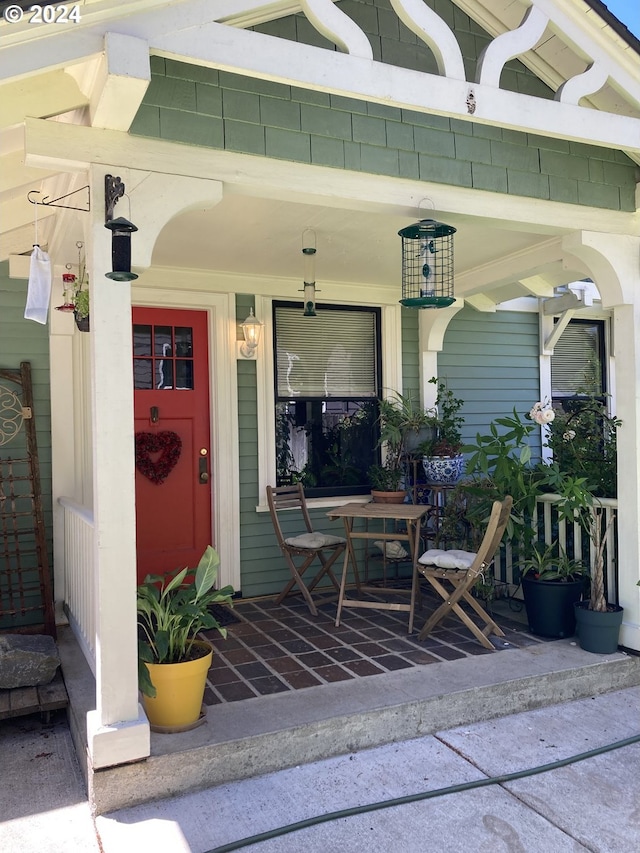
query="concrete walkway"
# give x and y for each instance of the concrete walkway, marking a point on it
(591, 805)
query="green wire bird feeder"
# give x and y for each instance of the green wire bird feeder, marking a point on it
(427, 265)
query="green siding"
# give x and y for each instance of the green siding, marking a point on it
(216, 109)
(24, 340)
(492, 362)
(410, 353)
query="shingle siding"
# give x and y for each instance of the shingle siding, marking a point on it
(216, 109)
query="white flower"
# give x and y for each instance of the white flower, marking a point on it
(569, 435)
(542, 413)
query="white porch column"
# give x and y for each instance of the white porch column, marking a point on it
(432, 324)
(626, 340)
(613, 262)
(117, 731)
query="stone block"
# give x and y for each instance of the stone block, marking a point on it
(27, 660)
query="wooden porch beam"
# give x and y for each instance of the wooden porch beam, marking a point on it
(54, 145)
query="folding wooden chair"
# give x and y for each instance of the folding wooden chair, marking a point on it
(301, 550)
(461, 570)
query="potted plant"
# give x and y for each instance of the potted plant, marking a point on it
(552, 583)
(583, 438)
(401, 422)
(442, 459)
(501, 463)
(172, 662)
(81, 305)
(598, 622)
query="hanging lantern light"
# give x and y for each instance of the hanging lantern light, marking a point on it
(309, 252)
(427, 264)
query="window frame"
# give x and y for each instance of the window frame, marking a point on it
(376, 311)
(601, 326)
(391, 366)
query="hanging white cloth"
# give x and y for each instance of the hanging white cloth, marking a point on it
(39, 291)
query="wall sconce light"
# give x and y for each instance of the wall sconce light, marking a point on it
(427, 264)
(251, 329)
(309, 252)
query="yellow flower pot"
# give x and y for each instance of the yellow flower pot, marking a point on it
(179, 690)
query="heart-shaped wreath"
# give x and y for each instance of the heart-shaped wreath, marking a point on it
(167, 443)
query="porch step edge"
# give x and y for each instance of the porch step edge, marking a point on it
(185, 766)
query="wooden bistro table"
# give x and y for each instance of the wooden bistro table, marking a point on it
(412, 516)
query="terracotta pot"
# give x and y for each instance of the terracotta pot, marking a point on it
(389, 497)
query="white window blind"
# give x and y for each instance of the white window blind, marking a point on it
(576, 363)
(330, 355)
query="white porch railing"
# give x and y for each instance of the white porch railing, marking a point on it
(571, 539)
(80, 603)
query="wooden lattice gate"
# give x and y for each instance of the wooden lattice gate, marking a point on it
(26, 599)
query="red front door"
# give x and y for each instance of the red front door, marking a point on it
(171, 403)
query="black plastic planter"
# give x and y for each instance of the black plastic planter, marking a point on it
(598, 632)
(549, 606)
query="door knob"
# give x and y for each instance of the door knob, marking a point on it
(204, 477)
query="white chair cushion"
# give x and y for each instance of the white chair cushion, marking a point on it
(452, 559)
(313, 541)
(393, 549)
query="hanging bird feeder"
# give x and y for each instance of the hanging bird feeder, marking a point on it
(427, 264)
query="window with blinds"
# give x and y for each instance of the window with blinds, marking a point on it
(333, 354)
(327, 378)
(577, 363)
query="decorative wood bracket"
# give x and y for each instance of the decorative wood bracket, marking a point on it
(565, 307)
(113, 190)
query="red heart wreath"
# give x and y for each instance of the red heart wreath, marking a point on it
(168, 444)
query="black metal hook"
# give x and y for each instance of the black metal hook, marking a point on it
(45, 202)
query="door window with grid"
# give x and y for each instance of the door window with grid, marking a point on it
(162, 357)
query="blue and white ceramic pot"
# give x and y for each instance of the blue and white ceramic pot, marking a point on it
(443, 469)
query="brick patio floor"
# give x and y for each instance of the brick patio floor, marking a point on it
(276, 648)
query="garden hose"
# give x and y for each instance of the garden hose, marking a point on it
(423, 795)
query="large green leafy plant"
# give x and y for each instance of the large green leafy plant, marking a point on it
(171, 611)
(583, 438)
(501, 463)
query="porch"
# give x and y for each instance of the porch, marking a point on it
(287, 688)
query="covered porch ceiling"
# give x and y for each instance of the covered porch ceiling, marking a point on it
(255, 236)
